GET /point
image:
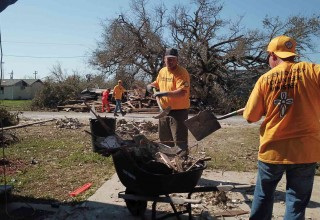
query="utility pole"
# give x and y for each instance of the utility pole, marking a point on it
(11, 74)
(2, 69)
(35, 74)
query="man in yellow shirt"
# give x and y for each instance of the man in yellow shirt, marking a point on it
(289, 97)
(118, 91)
(173, 81)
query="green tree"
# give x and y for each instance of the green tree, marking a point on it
(60, 87)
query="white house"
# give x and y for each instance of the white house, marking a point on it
(17, 89)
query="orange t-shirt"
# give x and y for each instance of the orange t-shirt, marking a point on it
(173, 80)
(118, 90)
(289, 97)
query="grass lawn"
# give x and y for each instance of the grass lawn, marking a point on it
(48, 163)
(16, 105)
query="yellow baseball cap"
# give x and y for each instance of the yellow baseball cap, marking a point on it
(283, 46)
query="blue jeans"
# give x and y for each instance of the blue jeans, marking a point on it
(299, 185)
(118, 106)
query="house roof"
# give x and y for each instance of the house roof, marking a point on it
(31, 81)
(11, 82)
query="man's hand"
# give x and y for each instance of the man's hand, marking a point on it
(160, 94)
(150, 88)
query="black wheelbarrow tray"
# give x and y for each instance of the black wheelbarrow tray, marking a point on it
(142, 186)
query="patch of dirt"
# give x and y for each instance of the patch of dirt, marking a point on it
(12, 166)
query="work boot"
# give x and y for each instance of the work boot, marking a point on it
(124, 113)
(115, 114)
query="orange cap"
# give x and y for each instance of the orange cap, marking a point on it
(283, 46)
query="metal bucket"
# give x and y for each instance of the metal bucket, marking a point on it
(98, 130)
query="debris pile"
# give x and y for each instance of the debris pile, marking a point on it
(69, 123)
(136, 100)
(152, 156)
(132, 127)
(220, 203)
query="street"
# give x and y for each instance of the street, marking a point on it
(83, 116)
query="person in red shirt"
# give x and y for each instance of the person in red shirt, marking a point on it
(105, 100)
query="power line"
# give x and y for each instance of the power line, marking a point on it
(40, 57)
(46, 43)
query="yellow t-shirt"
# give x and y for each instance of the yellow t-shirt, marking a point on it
(173, 80)
(289, 97)
(118, 91)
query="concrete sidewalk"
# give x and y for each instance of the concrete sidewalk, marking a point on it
(111, 207)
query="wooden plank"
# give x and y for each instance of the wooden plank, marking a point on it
(71, 106)
(25, 125)
(129, 103)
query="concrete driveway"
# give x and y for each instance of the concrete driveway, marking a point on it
(106, 204)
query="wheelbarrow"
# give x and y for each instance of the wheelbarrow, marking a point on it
(143, 186)
(144, 183)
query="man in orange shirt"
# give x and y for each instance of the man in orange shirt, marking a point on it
(173, 81)
(105, 100)
(289, 97)
(117, 94)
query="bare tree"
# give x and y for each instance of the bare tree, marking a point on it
(132, 44)
(305, 30)
(223, 57)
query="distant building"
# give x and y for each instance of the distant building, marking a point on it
(18, 89)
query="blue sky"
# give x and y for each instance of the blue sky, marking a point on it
(39, 34)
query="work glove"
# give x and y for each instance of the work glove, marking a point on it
(150, 88)
(160, 94)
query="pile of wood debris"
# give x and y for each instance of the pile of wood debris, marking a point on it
(136, 101)
(133, 127)
(152, 156)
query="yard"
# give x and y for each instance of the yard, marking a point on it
(48, 162)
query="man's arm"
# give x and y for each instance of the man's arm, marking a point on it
(177, 93)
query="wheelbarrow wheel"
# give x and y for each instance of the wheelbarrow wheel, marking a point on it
(135, 207)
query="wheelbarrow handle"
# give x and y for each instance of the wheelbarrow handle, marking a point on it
(237, 112)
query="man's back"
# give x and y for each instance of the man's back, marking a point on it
(290, 131)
